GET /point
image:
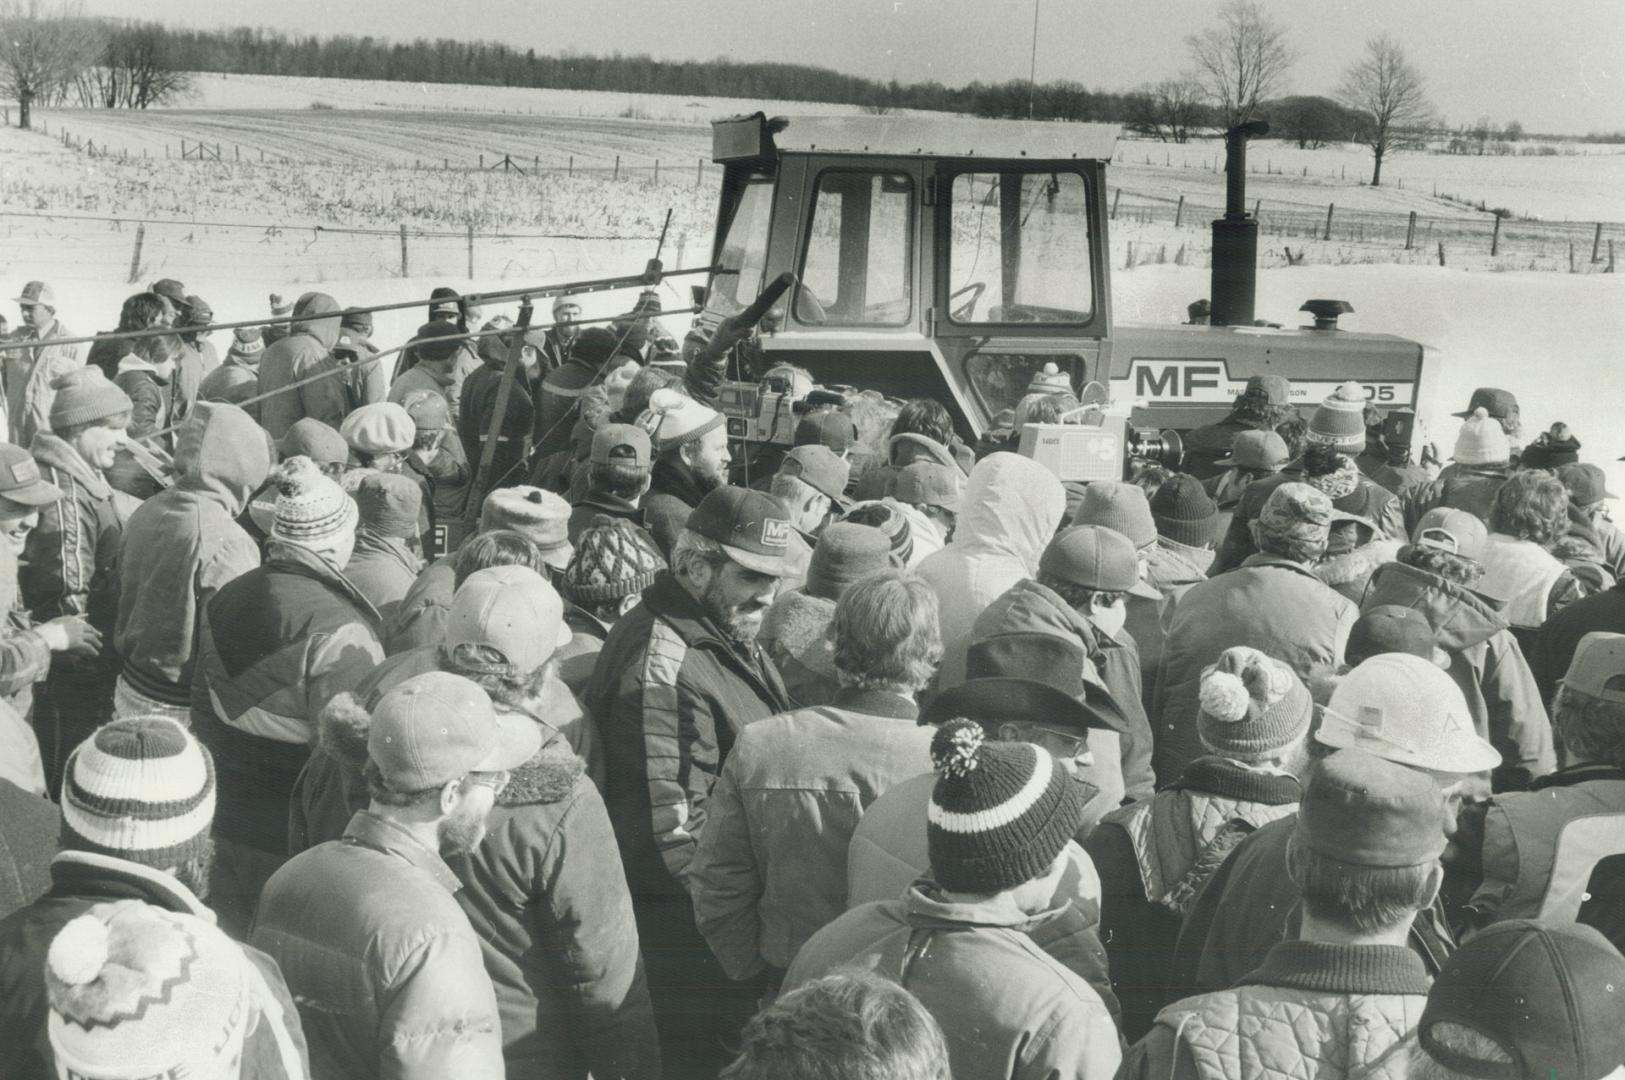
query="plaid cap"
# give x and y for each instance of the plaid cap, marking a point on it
(1297, 511)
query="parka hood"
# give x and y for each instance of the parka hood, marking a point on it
(1460, 617)
(1011, 506)
(220, 450)
(325, 331)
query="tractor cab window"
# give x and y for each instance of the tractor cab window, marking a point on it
(857, 268)
(744, 249)
(1019, 248)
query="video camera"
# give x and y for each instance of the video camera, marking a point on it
(1099, 444)
(768, 411)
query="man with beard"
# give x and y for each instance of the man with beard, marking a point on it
(675, 682)
(691, 459)
(383, 963)
(136, 814)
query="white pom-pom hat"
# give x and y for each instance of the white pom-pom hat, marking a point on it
(1252, 705)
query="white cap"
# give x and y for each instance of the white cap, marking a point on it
(1406, 710)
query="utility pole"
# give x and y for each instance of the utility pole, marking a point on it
(1032, 67)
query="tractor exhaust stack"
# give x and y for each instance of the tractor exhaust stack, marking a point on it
(1235, 236)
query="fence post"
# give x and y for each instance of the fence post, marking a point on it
(1128, 263)
(1441, 252)
(657, 170)
(1329, 208)
(1596, 242)
(1571, 256)
(482, 165)
(135, 257)
(1495, 237)
(699, 172)
(404, 272)
(617, 175)
(570, 170)
(237, 150)
(471, 251)
(1410, 231)
(1257, 203)
(1610, 255)
(536, 163)
(1118, 194)
(217, 151)
(262, 155)
(1179, 211)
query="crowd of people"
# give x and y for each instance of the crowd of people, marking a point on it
(492, 712)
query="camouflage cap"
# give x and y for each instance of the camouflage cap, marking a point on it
(1297, 512)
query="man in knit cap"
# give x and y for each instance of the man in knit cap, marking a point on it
(1336, 433)
(1437, 576)
(1482, 460)
(892, 520)
(138, 990)
(1365, 860)
(238, 376)
(136, 817)
(27, 374)
(1273, 602)
(1262, 406)
(617, 477)
(179, 548)
(1154, 856)
(306, 350)
(552, 347)
(70, 560)
(1188, 526)
(385, 561)
(1400, 708)
(771, 866)
(1000, 818)
(614, 562)
(1086, 577)
(795, 632)
(691, 459)
(678, 678)
(412, 998)
(439, 462)
(276, 645)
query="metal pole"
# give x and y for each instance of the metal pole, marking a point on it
(403, 250)
(1596, 243)
(1495, 237)
(1329, 208)
(516, 344)
(135, 259)
(1410, 231)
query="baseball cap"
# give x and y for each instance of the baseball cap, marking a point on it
(1257, 450)
(820, 468)
(1363, 810)
(829, 426)
(1586, 483)
(1408, 711)
(1455, 531)
(169, 289)
(1549, 994)
(1494, 401)
(37, 292)
(1274, 389)
(438, 727)
(20, 480)
(753, 527)
(930, 484)
(621, 444)
(1598, 667)
(1027, 677)
(1096, 557)
(510, 610)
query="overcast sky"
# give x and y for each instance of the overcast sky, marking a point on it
(1555, 66)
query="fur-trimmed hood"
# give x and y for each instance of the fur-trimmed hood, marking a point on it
(797, 623)
(1357, 565)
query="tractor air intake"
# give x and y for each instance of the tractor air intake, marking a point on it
(1235, 236)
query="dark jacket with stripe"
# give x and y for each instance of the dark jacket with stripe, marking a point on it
(670, 692)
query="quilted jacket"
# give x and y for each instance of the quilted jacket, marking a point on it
(1311, 1012)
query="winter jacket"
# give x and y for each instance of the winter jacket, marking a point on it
(1171, 568)
(673, 494)
(275, 1048)
(233, 381)
(1561, 633)
(1368, 500)
(27, 375)
(1461, 487)
(1111, 663)
(29, 824)
(578, 656)
(1311, 1012)
(479, 406)
(1375, 462)
(441, 380)
(153, 405)
(446, 479)
(1349, 571)
(70, 560)
(277, 644)
(596, 503)
(1249, 905)
(795, 635)
(382, 569)
(770, 870)
(306, 351)
(25, 655)
(1044, 1021)
(1530, 854)
(1153, 858)
(670, 694)
(1008, 515)
(1274, 605)
(1529, 580)
(420, 619)
(385, 967)
(1485, 663)
(181, 546)
(1205, 446)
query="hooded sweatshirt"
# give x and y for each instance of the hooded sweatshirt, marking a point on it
(183, 544)
(1010, 509)
(307, 350)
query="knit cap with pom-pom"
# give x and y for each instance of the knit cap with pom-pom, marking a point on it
(1050, 379)
(1482, 441)
(1000, 813)
(1552, 449)
(84, 396)
(673, 418)
(1252, 705)
(312, 511)
(1340, 419)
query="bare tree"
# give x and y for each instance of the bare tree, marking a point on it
(134, 71)
(42, 52)
(1170, 110)
(1242, 61)
(1391, 94)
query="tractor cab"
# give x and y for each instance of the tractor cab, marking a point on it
(955, 258)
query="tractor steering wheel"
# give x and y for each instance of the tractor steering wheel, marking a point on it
(962, 313)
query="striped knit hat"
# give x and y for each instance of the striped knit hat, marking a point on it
(312, 511)
(1000, 812)
(1340, 420)
(140, 789)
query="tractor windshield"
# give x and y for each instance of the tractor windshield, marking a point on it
(857, 268)
(744, 249)
(1019, 248)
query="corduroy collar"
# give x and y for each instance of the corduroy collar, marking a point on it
(89, 874)
(1341, 969)
(876, 703)
(379, 833)
(1215, 775)
(1578, 774)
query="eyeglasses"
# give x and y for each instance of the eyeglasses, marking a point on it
(1068, 744)
(496, 781)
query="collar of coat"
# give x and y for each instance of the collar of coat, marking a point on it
(669, 477)
(368, 829)
(1215, 775)
(927, 908)
(613, 504)
(671, 603)
(1263, 559)
(1578, 774)
(58, 453)
(546, 778)
(876, 703)
(105, 877)
(292, 559)
(1319, 968)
